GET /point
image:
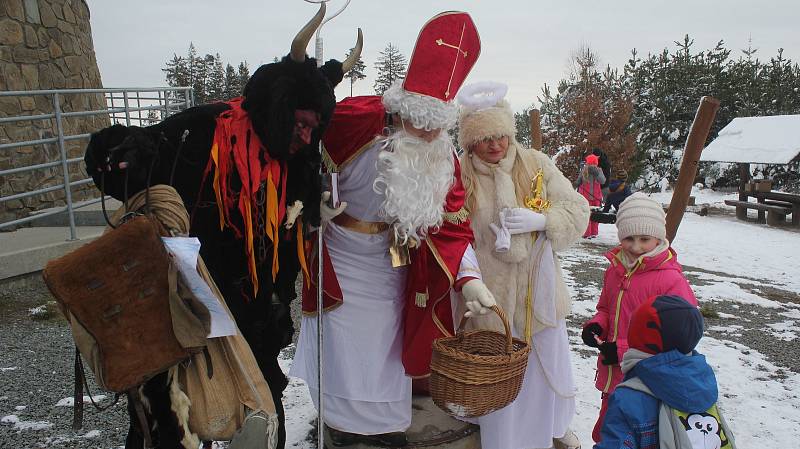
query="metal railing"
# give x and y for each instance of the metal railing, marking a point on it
(129, 106)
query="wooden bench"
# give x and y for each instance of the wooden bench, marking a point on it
(776, 214)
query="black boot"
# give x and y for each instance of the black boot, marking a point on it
(391, 439)
(340, 438)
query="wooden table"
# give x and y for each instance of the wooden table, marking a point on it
(780, 199)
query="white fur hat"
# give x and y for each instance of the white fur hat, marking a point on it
(423, 111)
(484, 113)
(641, 215)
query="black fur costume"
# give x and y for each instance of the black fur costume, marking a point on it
(272, 95)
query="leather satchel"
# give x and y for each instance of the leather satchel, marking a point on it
(120, 297)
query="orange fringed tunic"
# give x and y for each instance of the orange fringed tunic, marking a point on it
(237, 148)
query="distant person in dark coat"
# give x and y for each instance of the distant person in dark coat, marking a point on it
(605, 164)
(618, 190)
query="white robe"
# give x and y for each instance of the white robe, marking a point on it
(545, 405)
(365, 389)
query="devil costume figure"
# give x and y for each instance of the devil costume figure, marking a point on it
(245, 169)
(396, 246)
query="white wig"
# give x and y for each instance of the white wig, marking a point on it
(423, 111)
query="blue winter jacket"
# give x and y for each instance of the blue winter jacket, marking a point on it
(619, 190)
(684, 382)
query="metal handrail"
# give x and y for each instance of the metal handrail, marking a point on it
(27, 93)
(167, 100)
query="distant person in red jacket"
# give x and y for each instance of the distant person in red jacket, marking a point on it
(642, 266)
(589, 185)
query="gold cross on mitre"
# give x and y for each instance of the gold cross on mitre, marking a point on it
(440, 42)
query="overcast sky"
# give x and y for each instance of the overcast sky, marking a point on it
(525, 43)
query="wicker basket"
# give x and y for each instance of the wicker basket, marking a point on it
(477, 372)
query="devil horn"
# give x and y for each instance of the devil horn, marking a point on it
(351, 60)
(300, 42)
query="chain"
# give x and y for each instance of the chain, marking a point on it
(261, 222)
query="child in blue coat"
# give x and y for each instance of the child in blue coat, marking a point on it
(661, 359)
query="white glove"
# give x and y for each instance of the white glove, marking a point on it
(502, 240)
(327, 213)
(477, 297)
(520, 220)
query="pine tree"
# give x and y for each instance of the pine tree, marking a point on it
(642, 116)
(177, 72)
(391, 65)
(209, 77)
(216, 80)
(522, 121)
(203, 67)
(232, 85)
(191, 60)
(244, 75)
(591, 109)
(357, 72)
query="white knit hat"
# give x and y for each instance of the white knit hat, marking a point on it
(641, 215)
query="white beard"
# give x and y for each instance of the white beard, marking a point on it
(415, 177)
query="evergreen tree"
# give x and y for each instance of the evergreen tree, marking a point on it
(191, 60)
(642, 116)
(391, 65)
(210, 78)
(233, 87)
(522, 121)
(203, 67)
(357, 72)
(591, 109)
(244, 75)
(177, 71)
(216, 81)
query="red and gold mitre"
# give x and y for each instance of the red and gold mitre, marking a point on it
(446, 50)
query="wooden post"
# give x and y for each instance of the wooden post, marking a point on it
(744, 180)
(536, 130)
(691, 154)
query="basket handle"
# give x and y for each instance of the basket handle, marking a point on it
(496, 309)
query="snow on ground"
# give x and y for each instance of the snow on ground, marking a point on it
(761, 410)
(24, 425)
(70, 401)
(760, 399)
(299, 409)
(735, 247)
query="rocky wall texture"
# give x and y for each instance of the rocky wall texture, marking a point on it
(45, 44)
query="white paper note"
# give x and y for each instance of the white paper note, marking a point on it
(185, 251)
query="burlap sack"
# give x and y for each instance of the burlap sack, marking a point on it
(232, 389)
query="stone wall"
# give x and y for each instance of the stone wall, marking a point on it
(45, 44)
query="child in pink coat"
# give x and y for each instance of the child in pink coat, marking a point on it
(642, 266)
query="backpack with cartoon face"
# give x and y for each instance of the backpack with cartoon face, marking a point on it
(688, 430)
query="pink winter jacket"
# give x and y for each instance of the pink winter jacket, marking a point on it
(623, 291)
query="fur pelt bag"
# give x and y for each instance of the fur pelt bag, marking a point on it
(120, 297)
(221, 392)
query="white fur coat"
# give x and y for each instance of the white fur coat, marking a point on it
(508, 274)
